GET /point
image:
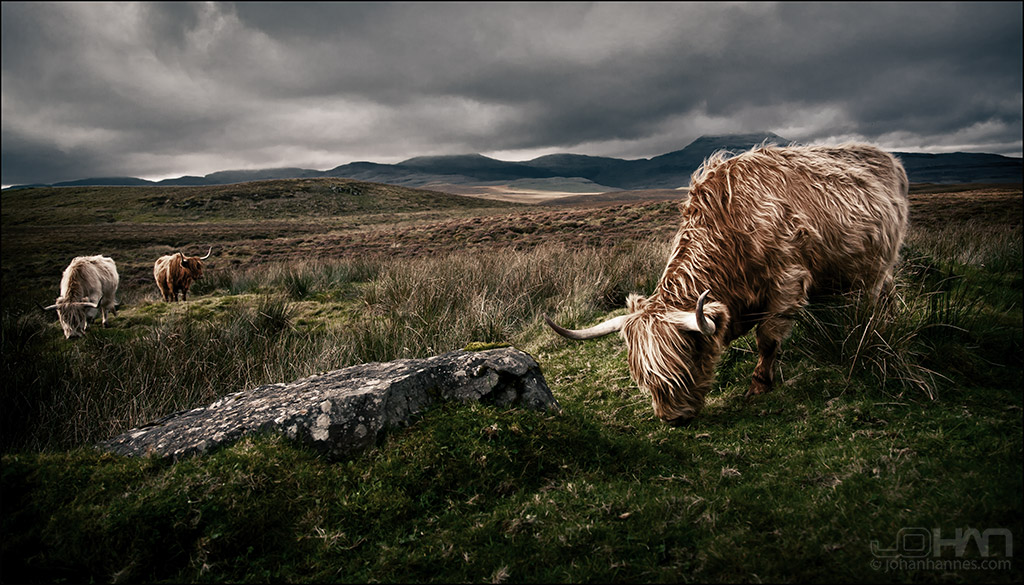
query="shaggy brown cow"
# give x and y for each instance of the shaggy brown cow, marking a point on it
(89, 284)
(176, 272)
(760, 231)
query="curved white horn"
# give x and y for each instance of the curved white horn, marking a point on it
(50, 308)
(207, 254)
(695, 321)
(89, 304)
(599, 330)
(703, 324)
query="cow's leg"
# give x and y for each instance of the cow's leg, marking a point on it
(769, 336)
(778, 326)
(883, 284)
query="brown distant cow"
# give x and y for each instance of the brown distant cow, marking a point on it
(88, 284)
(176, 272)
(760, 231)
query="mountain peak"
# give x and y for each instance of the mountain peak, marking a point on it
(738, 141)
(694, 153)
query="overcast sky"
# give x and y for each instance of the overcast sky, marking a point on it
(160, 90)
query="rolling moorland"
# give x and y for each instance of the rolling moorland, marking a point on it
(891, 420)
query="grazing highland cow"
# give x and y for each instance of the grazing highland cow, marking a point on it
(760, 232)
(176, 272)
(89, 284)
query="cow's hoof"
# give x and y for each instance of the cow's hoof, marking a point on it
(758, 386)
(679, 421)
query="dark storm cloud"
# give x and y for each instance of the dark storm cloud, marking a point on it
(167, 89)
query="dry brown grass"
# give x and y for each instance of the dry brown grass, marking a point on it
(35, 252)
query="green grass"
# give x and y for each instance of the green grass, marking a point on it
(793, 489)
(902, 414)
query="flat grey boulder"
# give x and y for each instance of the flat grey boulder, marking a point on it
(343, 412)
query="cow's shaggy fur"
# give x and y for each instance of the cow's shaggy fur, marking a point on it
(763, 230)
(89, 284)
(175, 273)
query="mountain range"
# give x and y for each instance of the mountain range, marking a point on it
(667, 171)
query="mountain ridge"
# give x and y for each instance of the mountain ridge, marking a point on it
(666, 171)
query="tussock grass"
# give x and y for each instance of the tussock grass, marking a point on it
(887, 340)
(286, 321)
(995, 249)
(949, 299)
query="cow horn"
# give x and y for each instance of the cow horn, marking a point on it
(599, 330)
(207, 254)
(703, 324)
(695, 321)
(50, 308)
(89, 304)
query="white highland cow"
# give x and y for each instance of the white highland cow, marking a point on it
(89, 285)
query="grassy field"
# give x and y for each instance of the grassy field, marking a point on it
(894, 431)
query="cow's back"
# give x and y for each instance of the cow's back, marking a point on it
(93, 277)
(840, 211)
(162, 266)
(850, 220)
(109, 278)
(766, 228)
(163, 270)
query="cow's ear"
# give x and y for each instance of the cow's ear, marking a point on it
(718, 313)
(635, 303)
(184, 262)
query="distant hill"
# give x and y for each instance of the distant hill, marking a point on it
(231, 177)
(280, 199)
(960, 167)
(477, 166)
(105, 181)
(667, 171)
